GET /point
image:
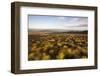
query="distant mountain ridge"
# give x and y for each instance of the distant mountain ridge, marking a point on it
(56, 30)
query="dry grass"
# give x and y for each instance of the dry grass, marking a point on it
(57, 46)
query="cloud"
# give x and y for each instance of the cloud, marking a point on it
(61, 18)
(76, 22)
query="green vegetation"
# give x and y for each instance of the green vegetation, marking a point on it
(57, 46)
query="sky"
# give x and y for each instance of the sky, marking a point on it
(57, 22)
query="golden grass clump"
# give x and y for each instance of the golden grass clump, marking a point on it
(57, 46)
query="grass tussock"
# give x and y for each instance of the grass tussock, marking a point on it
(57, 46)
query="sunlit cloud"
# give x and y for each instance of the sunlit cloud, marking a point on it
(60, 18)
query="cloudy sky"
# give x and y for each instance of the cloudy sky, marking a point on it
(58, 22)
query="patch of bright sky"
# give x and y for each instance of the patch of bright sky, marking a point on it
(58, 22)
